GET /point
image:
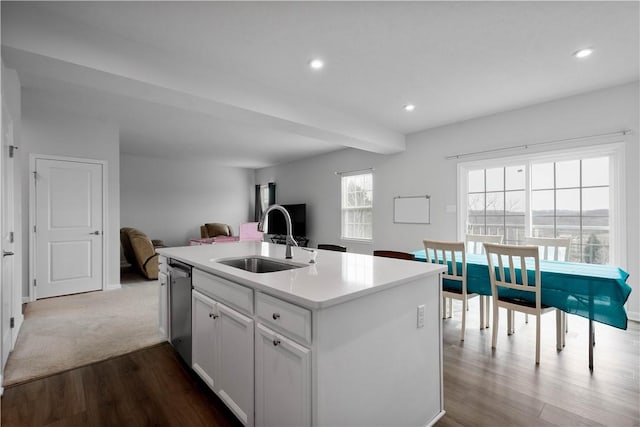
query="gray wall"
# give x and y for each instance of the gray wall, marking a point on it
(169, 199)
(422, 169)
(48, 129)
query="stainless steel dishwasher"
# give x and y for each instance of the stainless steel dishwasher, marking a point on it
(180, 308)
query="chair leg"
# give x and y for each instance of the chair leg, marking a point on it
(559, 330)
(486, 311)
(482, 312)
(526, 318)
(494, 333)
(464, 317)
(444, 308)
(538, 339)
(509, 322)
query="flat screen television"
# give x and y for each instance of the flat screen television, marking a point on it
(298, 213)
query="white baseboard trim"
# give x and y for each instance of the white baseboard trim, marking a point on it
(26, 300)
(19, 320)
(634, 316)
(112, 286)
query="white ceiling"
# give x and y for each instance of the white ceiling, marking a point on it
(230, 80)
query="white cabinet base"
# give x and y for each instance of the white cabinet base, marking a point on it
(283, 381)
(372, 365)
(223, 353)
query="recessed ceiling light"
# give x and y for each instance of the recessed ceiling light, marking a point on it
(409, 107)
(583, 53)
(316, 64)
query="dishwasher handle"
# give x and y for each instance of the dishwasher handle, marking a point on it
(178, 272)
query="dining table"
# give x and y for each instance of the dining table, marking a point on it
(596, 292)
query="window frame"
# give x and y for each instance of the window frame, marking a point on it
(617, 202)
(342, 209)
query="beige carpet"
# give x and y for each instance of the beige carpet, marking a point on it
(67, 332)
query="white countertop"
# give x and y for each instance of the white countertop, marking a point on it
(335, 277)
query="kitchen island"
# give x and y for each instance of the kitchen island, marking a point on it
(349, 340)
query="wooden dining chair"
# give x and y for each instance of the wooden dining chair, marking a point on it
(553, 249)
(330, 247)
(474, 242)
(474, 245)
(454, 281)
(504, 278)
(394, 254)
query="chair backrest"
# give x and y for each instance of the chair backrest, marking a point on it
(448, 253)
(215, 229)
(394, 254)
(516, 258)
(139, 251)
(474, 242)
(329, 247)
(554, 249)
(249, 232)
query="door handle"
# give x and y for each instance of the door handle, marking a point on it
(97, 233)
(7, 253)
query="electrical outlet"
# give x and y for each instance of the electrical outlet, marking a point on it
(421, 316)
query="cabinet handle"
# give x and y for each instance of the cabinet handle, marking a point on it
(276, 342)
(213, 316)
(276, 316)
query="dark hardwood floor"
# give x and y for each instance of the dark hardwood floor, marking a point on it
(149, 387)
(481, 387)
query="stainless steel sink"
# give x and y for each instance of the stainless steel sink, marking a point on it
(255, 264)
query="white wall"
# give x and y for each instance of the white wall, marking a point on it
(47, 129)
(169, 199)
(422, 169)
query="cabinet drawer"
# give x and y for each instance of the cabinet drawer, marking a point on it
(290, 319)
(236, 296)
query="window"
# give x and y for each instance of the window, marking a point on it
(571, 199)
(265, 196)
(357, 206)
(496, 202)
(571, 194)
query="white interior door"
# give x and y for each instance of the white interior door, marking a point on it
(68, 227)
(6, 235)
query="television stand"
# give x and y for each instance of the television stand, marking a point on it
(281, 239)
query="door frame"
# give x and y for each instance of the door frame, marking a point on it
(32, 215)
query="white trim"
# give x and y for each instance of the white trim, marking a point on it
(32, 215)
(368, 171)
(112, 286)
(615, 149)
(361, 241)
(18, 321)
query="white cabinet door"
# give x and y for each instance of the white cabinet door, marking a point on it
(204, 313)
(163, 298)
(234, 367)
(283, 380)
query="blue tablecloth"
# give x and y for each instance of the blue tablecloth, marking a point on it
(597, 292)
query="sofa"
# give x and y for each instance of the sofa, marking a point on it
(215, 229)
(140, 251)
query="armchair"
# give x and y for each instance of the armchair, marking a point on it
(140, 251)
(214, 229)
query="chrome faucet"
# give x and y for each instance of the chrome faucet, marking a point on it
(289, 239)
